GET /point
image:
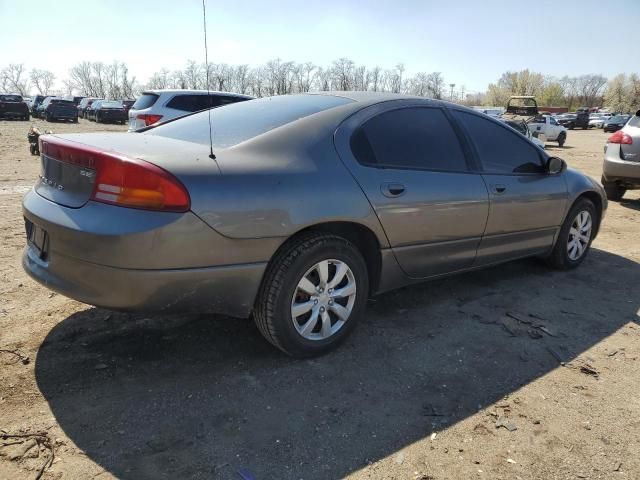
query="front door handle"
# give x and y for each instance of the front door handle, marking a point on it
(392, 190)
(499, 189)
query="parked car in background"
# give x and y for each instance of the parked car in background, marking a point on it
(548, 129)
(615, 123)
(36, 101)
(109, 111)
(55, 108)
(621, 168)
(127, 104)
(90, 111)
(39, 111)
(155, 106)
(13, 106)
(582, 118)
(415, 189)
(521, 126)
(567, 120)
(84, 104)
(596, 120)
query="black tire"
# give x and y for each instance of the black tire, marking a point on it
(47, 117)
(559, 257)
(32, 149)
(75, 120)
(272, 313)
(97, 118)
(27, 117)
(614, 191)
(561, 139)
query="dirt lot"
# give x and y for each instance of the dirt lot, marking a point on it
(418, 392)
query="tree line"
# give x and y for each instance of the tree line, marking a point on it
(279, 77)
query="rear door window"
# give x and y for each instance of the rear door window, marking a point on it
(145, 100)
(189, 103)
(409, 138)
(501, 150)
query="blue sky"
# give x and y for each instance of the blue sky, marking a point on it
(470, 42)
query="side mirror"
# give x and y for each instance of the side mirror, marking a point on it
(555, 165)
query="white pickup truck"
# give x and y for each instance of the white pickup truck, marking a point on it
(547, 129)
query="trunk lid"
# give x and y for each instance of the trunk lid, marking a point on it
(68, 178)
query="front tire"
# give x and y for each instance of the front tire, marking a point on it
(575, 236)
(312, 295)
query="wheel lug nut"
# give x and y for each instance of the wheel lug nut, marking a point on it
(322, 309)
(330, 302)
(315, 302)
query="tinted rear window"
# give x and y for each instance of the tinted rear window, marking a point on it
(145, 101)
(10, 98)
(195, 103)
(62, 102)
(414, 138)
(241, 121)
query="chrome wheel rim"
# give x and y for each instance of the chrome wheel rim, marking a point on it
(579, 235)
(323, 299)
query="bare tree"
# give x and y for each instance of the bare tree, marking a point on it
(42, 80)
(590, 88)
(13, 78)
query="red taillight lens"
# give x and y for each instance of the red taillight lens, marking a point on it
(621, 137)
(120, 180)
(149, 119)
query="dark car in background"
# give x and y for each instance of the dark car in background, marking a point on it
(35, 103)
(54, 108)
(84, 104)
(76, 100)
(104, 111)
(14, 107)
(127, 104)
(615, 123)
(579, 119)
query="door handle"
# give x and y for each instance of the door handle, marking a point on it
(392, 190)
(499, 189)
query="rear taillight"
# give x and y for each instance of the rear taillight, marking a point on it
(120, 180)
(621, 137)
(149, 119)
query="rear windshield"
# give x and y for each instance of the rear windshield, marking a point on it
(111, 104)
(618, 118)
(241, 121)
(10, 98)
(634, 122)
(61, 102)
(145, 101)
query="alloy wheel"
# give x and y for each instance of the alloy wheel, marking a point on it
(323, 299)
(579, 235)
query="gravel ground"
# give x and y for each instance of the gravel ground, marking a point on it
(516, 372)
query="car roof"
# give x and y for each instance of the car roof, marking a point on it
(178, 91)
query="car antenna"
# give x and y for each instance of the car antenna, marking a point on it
(206, 64)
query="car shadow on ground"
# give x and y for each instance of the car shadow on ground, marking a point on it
(633, 204)
(202, 397)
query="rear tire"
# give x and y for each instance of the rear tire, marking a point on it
(97, 118)
(614, 191)
(27, 117)
(561, 139)
(573, 232)
(294, 278)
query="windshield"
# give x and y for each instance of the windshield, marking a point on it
(238, 122)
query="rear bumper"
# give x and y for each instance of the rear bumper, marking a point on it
(615, 169)
(229, 290)
(137, 260)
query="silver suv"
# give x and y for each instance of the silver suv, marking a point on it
(621, 169)
(155, 106)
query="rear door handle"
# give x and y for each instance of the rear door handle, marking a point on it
(392, 190)
(499, 189)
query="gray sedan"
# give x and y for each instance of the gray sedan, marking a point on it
(295, 209)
